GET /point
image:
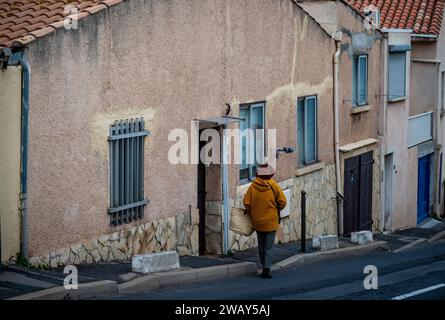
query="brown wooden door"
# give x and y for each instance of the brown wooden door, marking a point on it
(357, 209)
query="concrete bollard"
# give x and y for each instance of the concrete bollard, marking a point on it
(361, 237)
(155, 262)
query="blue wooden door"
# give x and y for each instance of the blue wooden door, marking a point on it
(423, 188)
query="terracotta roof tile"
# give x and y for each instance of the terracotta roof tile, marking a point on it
(422, 16)
(21, 21)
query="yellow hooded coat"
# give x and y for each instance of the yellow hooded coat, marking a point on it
(262, 201)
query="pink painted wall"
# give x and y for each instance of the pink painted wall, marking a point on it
(169, 62)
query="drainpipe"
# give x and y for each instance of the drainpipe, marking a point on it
(225, 189)
(438, 145)
(382, 136)
(19, 59)
(337, 38)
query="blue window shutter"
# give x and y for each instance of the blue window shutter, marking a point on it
(362, 79)
(397, 75)
(257, 120)
(311, 130)
(253, 116)
(300, 132)
(244, 114)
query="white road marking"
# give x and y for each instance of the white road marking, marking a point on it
(417, 292)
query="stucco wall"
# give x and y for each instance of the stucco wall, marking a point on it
(404, 172)
(423, 95)
(423, 73)
(358, 40)
(404, 209)
(10, 115)
(441, 120)
(170, 62)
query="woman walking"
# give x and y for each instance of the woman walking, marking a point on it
(263, 201)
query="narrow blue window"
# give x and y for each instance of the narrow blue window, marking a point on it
(360, 80)
(307, 130)
(251, 143)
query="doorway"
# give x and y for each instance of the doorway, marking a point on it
(202, 192)
(389, 172)
(209, 193)
(423, 188)
(358, 193)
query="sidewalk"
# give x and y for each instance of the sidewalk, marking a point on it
(118, 278)
(17, 280)
(407, 238)
(282, 252)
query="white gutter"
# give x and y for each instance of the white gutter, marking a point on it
(337, 38)
(438, 146)
(225, 190)
(427, 36)
(432, 61)
(383, 190)
(392, 30)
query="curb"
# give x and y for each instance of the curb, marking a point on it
(409, 245)
(300, 258)
(107, 288)
(174, 278)
(103, 288)
(437, 236)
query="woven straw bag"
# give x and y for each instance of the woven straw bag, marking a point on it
(240, 222)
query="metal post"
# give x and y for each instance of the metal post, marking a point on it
(303, 221)
(1, 263)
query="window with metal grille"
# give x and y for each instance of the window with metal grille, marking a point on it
(307, 130)
(397, 75)
(360, 80)
(126, 142)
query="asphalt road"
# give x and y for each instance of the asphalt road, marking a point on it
(417, 273)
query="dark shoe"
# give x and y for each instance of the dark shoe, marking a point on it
(266, 274)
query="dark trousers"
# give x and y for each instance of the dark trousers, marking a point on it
(265, 245)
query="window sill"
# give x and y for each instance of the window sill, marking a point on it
(310, 168)
(358, 145)
(360, 109)
(396, 99)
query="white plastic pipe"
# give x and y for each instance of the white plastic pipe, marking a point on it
(336, 135)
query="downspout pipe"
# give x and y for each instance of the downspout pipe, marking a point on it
(438, 145)
(383, 226)
(225, 190)
(19, 59)
(337, 38)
